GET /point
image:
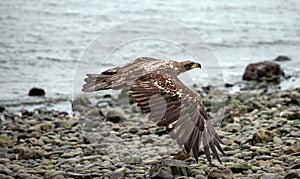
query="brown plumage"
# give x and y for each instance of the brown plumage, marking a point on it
(154, 86)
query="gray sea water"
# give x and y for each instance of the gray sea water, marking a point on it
(41, 42)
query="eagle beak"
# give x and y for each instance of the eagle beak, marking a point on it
(196, 65)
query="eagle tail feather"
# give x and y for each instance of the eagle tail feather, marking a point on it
(96, 82)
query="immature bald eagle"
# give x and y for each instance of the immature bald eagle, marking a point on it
(154, 86)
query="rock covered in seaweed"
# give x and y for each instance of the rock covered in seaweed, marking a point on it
(263, 71)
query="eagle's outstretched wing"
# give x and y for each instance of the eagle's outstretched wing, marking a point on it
(118, 77)
(154, 86)
(175, 106)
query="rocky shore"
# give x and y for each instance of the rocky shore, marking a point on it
(260, 129)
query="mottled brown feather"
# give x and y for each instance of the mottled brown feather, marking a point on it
(154, 86)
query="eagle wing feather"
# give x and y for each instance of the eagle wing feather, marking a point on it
(179, 109)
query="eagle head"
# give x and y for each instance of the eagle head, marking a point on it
(188, 65)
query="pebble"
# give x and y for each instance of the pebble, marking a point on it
(277, 140)
(133, 130)
(235, 127)
(119, 173)
(150, 161)
(263, 157)
(261, 140)
(5, 141)
(297, 161)
(133, 159)
(217, 173)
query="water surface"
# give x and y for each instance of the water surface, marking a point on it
(41, 41)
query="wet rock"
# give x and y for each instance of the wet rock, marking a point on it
(295, 99)
(181, 155)
(294, 148)
(297, 161)
(215, 100)
(5, 141)
(277, 140)
(270, 176)
(43, 127)
(119, 173)
(293, 174)
(296, 166)
(59, 177)
(238, 168)
(263, 157)
(198, 175)
(171, 169)
(296, 154)
(282, 58)
(105, 158)
(5, 176)
(70, 154)
(295, 134)
(80, 103)
(115, 116)
(228, 118)
(25, 112)
(24, 175)
(6, 171)
(291, 115)
(183, 177)
(94, 113)
(162, 172)
(133, 159)
(51, 174)
(161, 131)
(133, 130)
(262, 136)
(288, 150)
(116, 127)
(247, 154)
(263, 71)
(150, 161)
(257, 105)
(4, 160)
(36, 92)
(82, 100)
(27, 153)
(228, 85)
(234, 127)
(143, 132)
(218, 173)
(260, 150)
(2, 109)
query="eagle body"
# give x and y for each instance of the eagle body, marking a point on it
(153, 84)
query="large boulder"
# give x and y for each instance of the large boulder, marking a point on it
(263, 71)
(36, 92)
(2, 109)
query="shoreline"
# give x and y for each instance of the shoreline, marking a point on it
(61, 103)
(260, 131)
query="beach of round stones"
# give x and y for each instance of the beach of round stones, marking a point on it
(260, 129)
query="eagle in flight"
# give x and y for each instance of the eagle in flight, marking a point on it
(153, 84)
